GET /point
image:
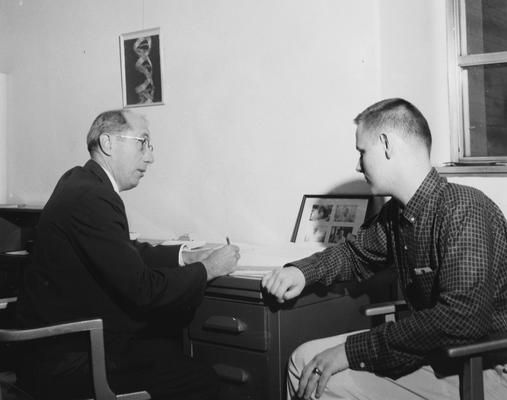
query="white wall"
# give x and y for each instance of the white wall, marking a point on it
(414, 63)
(259, 100)
(3, 138)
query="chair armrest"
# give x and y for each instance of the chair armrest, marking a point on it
(390, 307)
(5, 302)
(134, 396)
(16, 335)
(491, 343)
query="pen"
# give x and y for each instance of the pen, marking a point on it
(227, 239)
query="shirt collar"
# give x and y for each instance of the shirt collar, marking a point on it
(421, 198)
(111, 178)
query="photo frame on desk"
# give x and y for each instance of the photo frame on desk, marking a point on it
(330, 219)
(141, 68)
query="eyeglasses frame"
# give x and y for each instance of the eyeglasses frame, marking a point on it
(145, 142)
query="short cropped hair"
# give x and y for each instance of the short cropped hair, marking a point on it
(398, 114)
(112, 121)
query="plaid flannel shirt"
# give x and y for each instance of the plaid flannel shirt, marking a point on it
(449, 247)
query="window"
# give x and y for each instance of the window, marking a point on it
(477, 42)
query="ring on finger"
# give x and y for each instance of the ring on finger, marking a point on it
(317, 371)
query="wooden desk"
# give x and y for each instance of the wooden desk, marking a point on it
(248, 339)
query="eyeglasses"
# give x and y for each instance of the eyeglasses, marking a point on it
(145, 142)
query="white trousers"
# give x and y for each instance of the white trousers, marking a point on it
(359, 385)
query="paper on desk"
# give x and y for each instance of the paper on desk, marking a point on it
(191, 244)
(250, 274)
(258, 260)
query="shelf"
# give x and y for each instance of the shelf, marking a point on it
(473, 170)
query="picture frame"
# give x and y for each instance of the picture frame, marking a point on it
(141, 68)
(330, 219)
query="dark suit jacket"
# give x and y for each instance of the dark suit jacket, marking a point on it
(86, 266)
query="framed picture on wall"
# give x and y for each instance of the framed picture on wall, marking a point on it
(330, 219)
(141, 69)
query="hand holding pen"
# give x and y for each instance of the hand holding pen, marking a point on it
(222, 261)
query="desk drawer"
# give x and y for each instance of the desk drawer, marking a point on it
(243, 374)
(234, 324)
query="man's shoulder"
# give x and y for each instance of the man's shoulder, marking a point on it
(82, 177)
(90, 171)
(465, 197)
(80, 184)
(75, 182)
(455, 192)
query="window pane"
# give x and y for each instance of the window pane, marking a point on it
(487, 91)
(486, 26)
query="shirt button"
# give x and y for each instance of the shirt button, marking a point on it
(405, 247)
(362, 365)
(412, 219)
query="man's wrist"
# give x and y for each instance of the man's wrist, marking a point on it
(182, 259)
(354, 351)
(302, 269)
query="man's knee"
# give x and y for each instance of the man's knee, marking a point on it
(308, 350)
(302, 356)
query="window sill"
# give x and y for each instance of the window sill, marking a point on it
(473, 170)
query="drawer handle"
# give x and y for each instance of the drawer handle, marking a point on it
(225, 323)
(229, 373)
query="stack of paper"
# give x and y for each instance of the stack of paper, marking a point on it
(190, 244)
(258, 260)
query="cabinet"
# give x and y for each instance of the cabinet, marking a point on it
(17, 226)
(17, 232)
(248, 337)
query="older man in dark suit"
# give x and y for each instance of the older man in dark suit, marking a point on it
(85, 266)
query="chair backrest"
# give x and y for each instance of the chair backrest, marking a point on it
(9, 390)
(94, 328)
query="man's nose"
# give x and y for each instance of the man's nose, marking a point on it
(148, 156)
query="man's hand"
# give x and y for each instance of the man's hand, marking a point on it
(221, 261)
(329, 362)
(192, 256)
(284, 283)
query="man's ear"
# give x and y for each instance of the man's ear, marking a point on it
(105, 143)
(387, 145)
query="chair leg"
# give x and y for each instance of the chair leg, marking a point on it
(471, 380)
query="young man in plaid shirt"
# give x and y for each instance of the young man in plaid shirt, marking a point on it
(448, 243)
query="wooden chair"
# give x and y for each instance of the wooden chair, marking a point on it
(469, 357)
(101, 388)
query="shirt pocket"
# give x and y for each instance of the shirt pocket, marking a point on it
(421, 288)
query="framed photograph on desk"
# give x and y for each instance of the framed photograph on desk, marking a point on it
(330, 219)
(141, 56)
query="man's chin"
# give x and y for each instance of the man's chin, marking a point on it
(132, 185)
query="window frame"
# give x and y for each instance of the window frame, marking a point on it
(458, 60)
